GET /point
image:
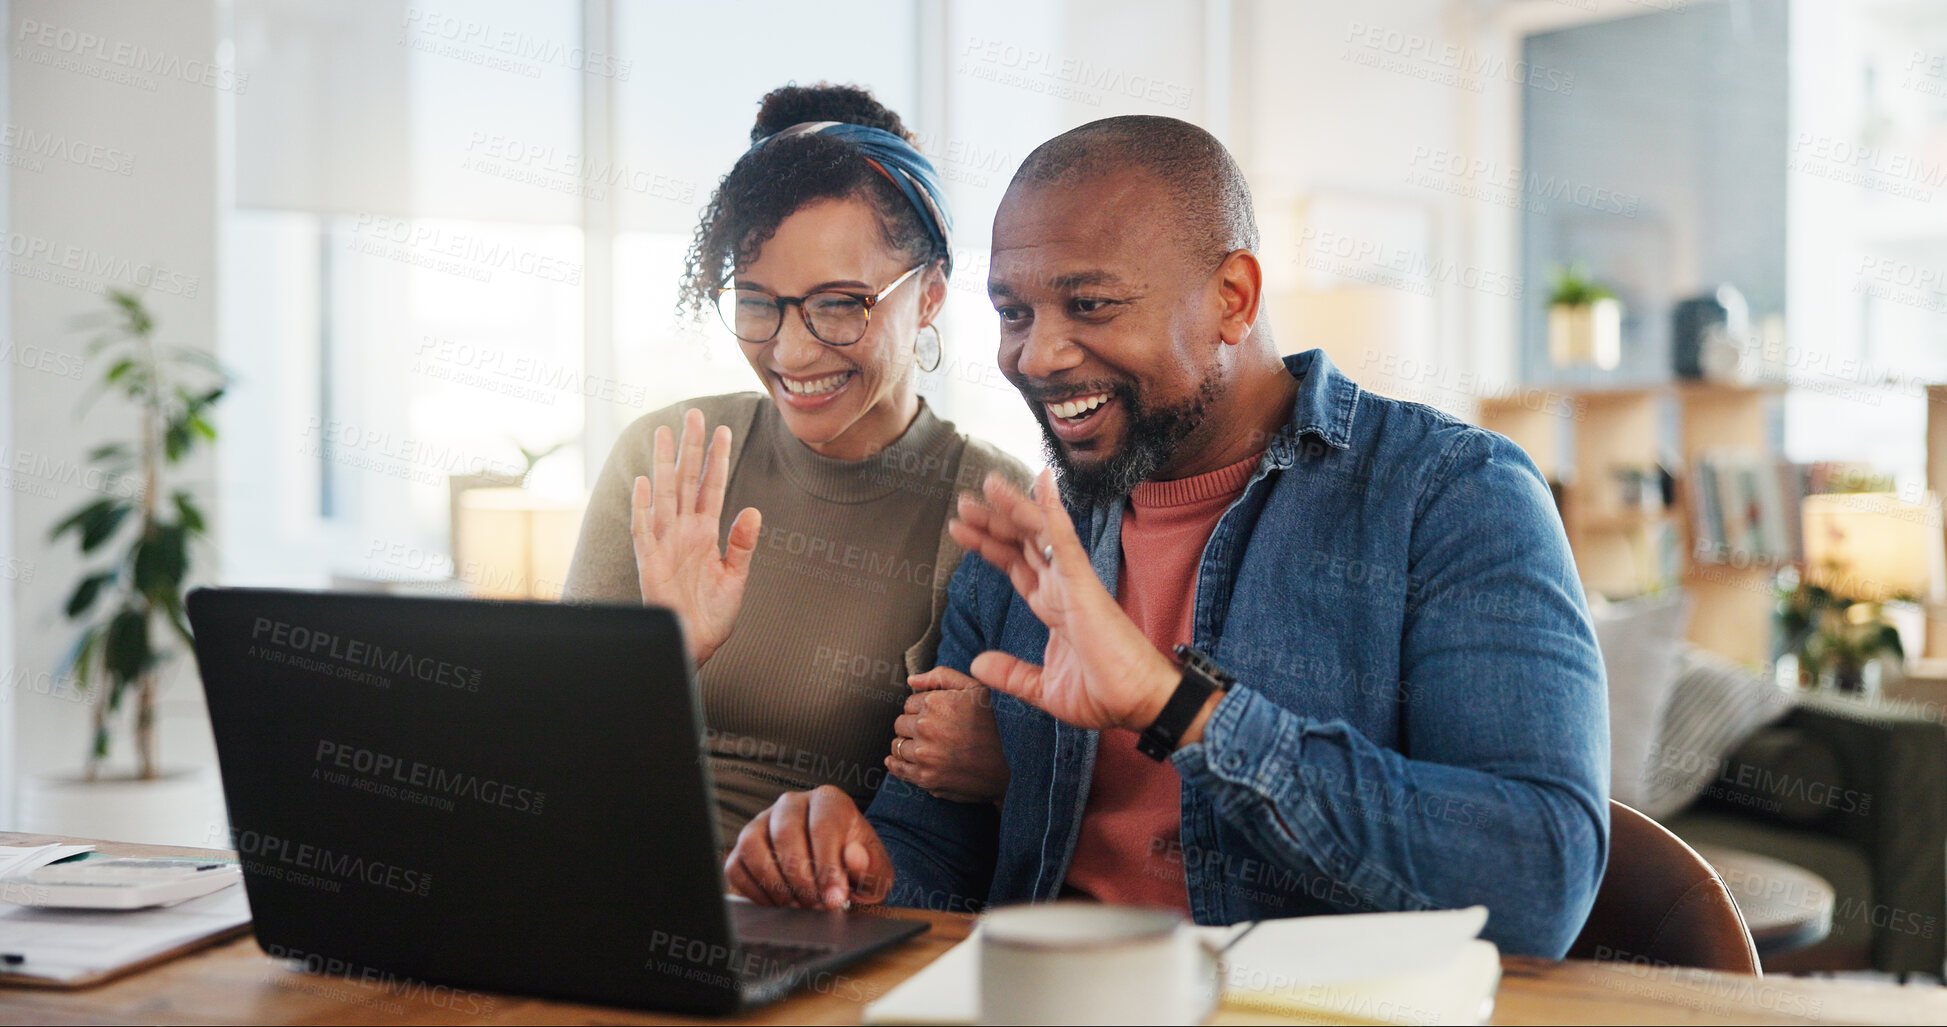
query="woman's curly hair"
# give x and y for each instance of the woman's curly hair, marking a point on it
(766, 186)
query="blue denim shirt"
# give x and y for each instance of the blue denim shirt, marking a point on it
(1419, 719)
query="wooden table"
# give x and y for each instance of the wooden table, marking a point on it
(234, 982)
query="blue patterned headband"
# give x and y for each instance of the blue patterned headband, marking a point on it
(893, 157)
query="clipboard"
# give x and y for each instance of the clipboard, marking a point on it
(84, 948)
(23, 979)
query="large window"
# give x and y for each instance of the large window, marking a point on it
(455, 238)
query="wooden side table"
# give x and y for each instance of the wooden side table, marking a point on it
(1786, 906)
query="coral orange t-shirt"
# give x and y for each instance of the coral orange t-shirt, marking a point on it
(1127, 852)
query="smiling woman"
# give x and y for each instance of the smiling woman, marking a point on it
(803, 541)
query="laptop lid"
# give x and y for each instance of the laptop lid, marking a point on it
(503, 795)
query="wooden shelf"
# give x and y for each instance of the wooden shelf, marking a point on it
(1586, 435)
(1619, 549)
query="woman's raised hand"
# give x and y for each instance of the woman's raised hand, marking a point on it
(674, 520)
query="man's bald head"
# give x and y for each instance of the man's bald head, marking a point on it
(1210, 203)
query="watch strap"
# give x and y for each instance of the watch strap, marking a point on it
(1201, 678)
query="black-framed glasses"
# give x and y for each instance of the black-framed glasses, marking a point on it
(834, 317)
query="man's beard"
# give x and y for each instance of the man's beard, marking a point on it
(1149, 442)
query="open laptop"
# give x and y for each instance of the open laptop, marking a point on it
(508, 796)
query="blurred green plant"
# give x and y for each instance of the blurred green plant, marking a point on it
(530, 457)
(1833, 635)
(136, 541)
(1571, 286)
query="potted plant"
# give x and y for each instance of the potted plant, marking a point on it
(136, 541)
(1584, 320)
(1836, 640)
(1871, 558)
(1839, 641)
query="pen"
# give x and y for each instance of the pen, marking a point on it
(11, 959)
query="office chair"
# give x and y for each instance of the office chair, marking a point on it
(1660, 903)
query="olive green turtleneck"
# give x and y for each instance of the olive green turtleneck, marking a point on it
(842, 589)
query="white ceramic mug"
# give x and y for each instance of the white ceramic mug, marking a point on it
(1083, 963)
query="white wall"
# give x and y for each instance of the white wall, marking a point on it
(1341, 106)
(128, 78)
(7, 663)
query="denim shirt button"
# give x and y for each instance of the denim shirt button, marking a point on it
(1233, 761)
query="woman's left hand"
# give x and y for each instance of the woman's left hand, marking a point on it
(947, 742)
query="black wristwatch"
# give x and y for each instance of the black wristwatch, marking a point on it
(1201, 679)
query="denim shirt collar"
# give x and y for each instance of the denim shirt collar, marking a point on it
(1323, 407)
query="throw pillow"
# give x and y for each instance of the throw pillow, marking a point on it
(1641, 642)
(1716, 706)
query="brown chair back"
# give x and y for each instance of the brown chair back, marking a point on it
(1660, 903)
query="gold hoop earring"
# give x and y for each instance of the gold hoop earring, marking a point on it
(939, 349)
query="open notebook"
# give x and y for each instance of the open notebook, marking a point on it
(1387, 968)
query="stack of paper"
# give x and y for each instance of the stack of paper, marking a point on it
(60, 945)
(1392, 968)
(20, 859)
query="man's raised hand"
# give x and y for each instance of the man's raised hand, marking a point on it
(1099, 670)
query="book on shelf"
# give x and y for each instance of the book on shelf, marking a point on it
(1745, 508)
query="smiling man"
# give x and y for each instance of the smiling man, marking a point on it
(1278, 647)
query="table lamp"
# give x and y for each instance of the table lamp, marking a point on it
(518, 544)
(1876, 557)
(1874, 547)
